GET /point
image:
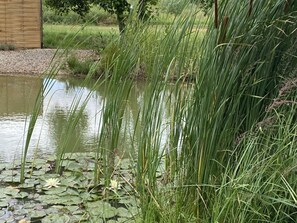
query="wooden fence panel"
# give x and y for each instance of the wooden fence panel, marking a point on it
(20, 23)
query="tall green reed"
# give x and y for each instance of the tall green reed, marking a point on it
(235, 73)
(237, 79)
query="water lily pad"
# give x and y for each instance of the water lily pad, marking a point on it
(123, 212)
(15, 179)
(50, 199)
(73, 192)
(38, 172)
(72, 208)
(33, 196)
(55, 190)
(56, 218)
(9, 191)
(88, 196)
(73, 166)
(70, 200)
(26, 186)
(21, 195)
(3, 204)
(37, 214)
(101, 209)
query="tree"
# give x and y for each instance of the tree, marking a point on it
(121, 8)
(145, 8)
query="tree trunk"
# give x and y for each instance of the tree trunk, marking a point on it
(121, 22)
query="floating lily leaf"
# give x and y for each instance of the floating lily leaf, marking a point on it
(26, 186)
(56, 190)
(38, 172)
(9, 191)
(3, 204)
(49, 199)
(70, 200)
(101, 209)
(123, 220)
(22, 212)
(88, 196)
(128, 201)
(123, 212)
(73, 166)
(89, 175)
(56, 218)
(72, 208)
(134, 210)
(21, 195)
(37, 214)
(2, 195)
(29, 206)
(47, 176)
(11, 179)
(55, 209)
(33, 196)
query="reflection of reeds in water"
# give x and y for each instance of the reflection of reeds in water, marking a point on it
(206, 177)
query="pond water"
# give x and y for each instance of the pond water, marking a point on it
(17, 99)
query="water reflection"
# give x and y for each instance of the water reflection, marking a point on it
(17, 98)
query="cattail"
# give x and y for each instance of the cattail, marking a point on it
(223, 32)
(287, 4)
(250, 7)
(216, 21)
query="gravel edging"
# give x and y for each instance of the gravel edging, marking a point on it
(35, 62)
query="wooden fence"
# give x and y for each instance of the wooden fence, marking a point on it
(20, 23)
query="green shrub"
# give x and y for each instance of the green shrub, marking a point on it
(78, 67)
(96, 16)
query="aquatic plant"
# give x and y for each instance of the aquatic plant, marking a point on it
(230, 154)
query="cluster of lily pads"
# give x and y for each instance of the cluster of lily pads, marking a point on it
(71, 196)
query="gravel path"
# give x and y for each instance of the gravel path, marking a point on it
(34, 61)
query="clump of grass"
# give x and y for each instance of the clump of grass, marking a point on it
(79, 67)
(7, 47)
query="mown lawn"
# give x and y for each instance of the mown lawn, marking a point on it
(78, 37)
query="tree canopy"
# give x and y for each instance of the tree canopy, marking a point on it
(121, 8)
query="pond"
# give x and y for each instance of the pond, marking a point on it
(78, 191)
(17, 99)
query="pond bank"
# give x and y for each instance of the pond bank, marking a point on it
(34, 62)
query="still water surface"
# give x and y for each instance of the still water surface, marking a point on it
(17, 99)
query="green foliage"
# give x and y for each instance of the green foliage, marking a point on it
(120, 8)
(174, 7)
(146, 8)
(96, 16)
(6, 47)
(77, 67)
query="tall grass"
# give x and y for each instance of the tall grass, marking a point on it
(230, 151)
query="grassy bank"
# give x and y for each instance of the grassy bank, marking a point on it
(78, 37)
